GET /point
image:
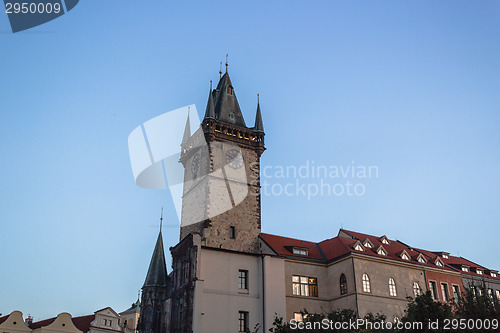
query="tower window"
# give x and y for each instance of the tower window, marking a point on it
(232, 232)
(243, 321)
(229, 90)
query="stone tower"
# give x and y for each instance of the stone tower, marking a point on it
(221, 196)
(155, 293)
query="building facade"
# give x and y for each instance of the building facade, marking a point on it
(228, 276)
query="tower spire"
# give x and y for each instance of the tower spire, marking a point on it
(161, 219)
(259, 126)
(187, 130)
(210, 112)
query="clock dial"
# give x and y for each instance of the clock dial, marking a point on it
(234, 159)
(195, 164)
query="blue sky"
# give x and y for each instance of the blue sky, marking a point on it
(411, 87)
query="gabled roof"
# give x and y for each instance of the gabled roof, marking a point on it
(157, 272)
(283, 246)
(227, 109)
(136, 307)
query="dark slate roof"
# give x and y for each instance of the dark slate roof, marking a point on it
(210, 111)
(157, 272)
(259, 126)
(227, 109)
(136, 307)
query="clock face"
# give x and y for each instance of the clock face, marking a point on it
(234, 159)
(195, 164)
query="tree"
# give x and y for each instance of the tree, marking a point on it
(423, 309)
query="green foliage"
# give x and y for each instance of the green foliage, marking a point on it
(423, 309)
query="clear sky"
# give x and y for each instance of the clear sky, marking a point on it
(411, 87)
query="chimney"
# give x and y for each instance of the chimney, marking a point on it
(29, 320)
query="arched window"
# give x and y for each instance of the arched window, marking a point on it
(392, 287)
(366, 283)
(343, 285)
(416, 289)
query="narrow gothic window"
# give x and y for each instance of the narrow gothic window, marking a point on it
(366, 283)
(343, 285)
(392, 287)
(232, 232)
(229, 90)
(416, 289)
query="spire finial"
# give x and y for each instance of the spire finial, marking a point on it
(210, 86)
(161, 219)
(220, 70)
(258, 99)
(227, 64)
(138, 295)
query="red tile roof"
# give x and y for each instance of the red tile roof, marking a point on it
(4, 318)
(344, 243)
(83, 322)
(42, 323)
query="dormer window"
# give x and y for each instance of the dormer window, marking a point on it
(446, 256)
(480, 271)
(381, 251)
(439, 263)
(421, 259)
(384, 240)
(300, 251)
(404, 256)
(229, 90)
(358, 247)
(493, 274)
(367, 243)
(465, 269)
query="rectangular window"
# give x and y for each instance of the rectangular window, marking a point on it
(243, 279)
(304, 286)
(298, 316)
(433, 289)
(456, 293)
(300, 252)
(497, 294)
(243, 321)
(232, 232)
(444, 291)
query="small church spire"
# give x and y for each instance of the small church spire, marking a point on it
(210, 112)
(187, 130)
(259, 126)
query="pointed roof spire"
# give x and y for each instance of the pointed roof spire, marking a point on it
(157, 272)
(227, 109)
(187, 130)
(259, 126)
(227, 63)
(210, 112)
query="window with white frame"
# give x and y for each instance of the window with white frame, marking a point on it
(444, 292)
(367, 243)
(366, 283)
(421, 260)
(497, 294)
(456, 293)
(433, 290)
(404, 256)
(385, 241)
(243, 279)
(446, 256)
(493, 274)
(300, 251)
(416, 289)
(304, 286)
(381, 251)
(465, 268)
(480, 271)
(392, 287)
